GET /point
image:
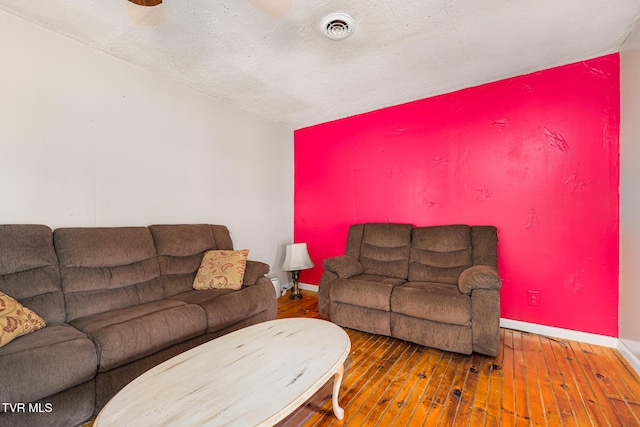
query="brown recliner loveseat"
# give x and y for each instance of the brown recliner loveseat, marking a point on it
(435, 286)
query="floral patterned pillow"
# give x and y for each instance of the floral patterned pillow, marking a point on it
(16, 319)
(221, 270)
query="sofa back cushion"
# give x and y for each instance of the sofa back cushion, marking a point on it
(382, 249)
(29, 269)
(442, 253)
(104, 269)
(180, 250)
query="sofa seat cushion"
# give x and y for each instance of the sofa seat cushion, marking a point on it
(226, 307)
(364, 291)
(439, 302)
(46, 362)
(127, 334)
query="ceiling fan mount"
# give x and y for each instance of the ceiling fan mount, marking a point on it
(146, 2)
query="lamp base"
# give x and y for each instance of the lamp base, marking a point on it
(295, 292)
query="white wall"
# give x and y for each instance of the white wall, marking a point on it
(629, 307)
(89, 140)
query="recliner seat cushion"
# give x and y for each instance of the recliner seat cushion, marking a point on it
(363, 293)
(46, 362)
(361, 318)
(226, 307)
(130, 333)
(439, 302)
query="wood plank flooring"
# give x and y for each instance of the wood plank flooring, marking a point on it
(534, 381)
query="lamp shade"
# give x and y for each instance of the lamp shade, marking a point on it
(297, 258)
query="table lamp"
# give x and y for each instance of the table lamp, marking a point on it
(296, 258)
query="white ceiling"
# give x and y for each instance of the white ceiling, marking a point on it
(268, 56)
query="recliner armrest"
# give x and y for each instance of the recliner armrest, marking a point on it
(479, 277)
(344, 266)
(253, 271)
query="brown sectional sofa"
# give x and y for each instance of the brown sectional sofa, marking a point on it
(436, 286)
(117, 301)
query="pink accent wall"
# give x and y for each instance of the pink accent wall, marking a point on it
(536, 155)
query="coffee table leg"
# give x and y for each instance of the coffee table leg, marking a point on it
(337, 410)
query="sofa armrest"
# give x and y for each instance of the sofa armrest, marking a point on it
(253, 271)
(344, 266)
(479, 277)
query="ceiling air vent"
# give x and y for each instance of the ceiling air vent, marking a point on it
(337, 26)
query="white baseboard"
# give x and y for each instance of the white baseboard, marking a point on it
(629, 356)
(551, 331)
(304, 286)
(585, 337)
(307, 287)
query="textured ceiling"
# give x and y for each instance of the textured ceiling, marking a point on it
(268, 56)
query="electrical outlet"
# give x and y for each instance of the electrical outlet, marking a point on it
(533, 298)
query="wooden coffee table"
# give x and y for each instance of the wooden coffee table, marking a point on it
(255, 376)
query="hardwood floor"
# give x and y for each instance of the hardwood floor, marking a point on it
(534, 381)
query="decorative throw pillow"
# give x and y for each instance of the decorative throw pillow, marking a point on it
(16, 319)
(221, 270)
